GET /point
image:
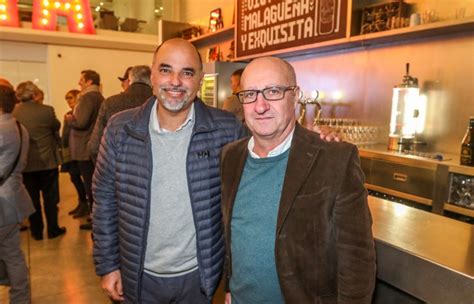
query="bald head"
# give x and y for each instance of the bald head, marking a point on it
(272, 64)
(182, 45)
(176, 75)
(270, 115)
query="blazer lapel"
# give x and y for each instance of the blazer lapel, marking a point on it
(234, 173)
(302, 157)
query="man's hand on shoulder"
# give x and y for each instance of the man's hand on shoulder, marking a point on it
(111, 283)
(327, 133)
(228, 298)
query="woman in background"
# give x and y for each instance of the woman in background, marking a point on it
(70, 166)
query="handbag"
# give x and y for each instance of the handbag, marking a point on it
(3, 179)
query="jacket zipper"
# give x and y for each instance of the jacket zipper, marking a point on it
(146, 226)
(198, 251)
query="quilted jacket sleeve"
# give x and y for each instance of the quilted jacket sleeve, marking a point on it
(105, 210)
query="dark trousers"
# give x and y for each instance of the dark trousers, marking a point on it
(86, 167)
(77, 181)
(184, 289)
(45, 182)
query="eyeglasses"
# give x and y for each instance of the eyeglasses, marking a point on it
(69, 97)
(270, 94)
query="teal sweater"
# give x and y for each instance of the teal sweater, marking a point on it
(254, 277)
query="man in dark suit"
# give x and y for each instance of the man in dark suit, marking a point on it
(137, 92)
(41, 171)
(297, 223)
(82, 122)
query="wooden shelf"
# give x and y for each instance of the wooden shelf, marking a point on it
(459, 210)
(420, 31)
(441, 28)
(226, 33)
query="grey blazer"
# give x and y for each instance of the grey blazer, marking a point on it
(15, 203)
(43, 128)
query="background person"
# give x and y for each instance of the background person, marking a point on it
(39, 97)
(70, 165)
(40, 176)
(5, 82)
(125, 79)
(135, 95)
(167, 152)
(232, 104)
(81, 122)
(15, 203)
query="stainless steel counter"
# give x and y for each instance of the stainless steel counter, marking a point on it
(449, 159)
(428, 256)
(423, 182)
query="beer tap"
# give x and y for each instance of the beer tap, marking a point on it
(304, 101)
(302, 112)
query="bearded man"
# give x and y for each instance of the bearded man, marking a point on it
(157, 218)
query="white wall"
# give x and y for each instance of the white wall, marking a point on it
(198, 12)
(65, 64)
(56, 69)
(25, 61)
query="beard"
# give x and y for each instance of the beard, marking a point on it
(173, 104)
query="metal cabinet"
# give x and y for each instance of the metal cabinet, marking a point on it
(402, 178)
(426, 185)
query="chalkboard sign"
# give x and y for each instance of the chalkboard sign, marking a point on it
(273, 25)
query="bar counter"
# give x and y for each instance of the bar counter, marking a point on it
(450, 160)
(420, 180)
(425, 255)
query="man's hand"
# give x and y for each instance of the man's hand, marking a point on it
(111, 283)
(228, 299)
(69, 117)
(327, 133)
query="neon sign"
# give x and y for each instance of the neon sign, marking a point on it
(45, 13)
(9, 13)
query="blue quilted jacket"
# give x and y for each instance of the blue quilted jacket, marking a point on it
(121, 187)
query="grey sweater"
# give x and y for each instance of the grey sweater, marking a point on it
(171, 241)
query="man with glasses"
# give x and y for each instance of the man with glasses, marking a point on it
(296, 220)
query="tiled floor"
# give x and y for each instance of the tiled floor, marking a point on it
(61, 269)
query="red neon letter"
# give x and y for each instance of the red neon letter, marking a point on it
(78, 13)
(9, 13)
